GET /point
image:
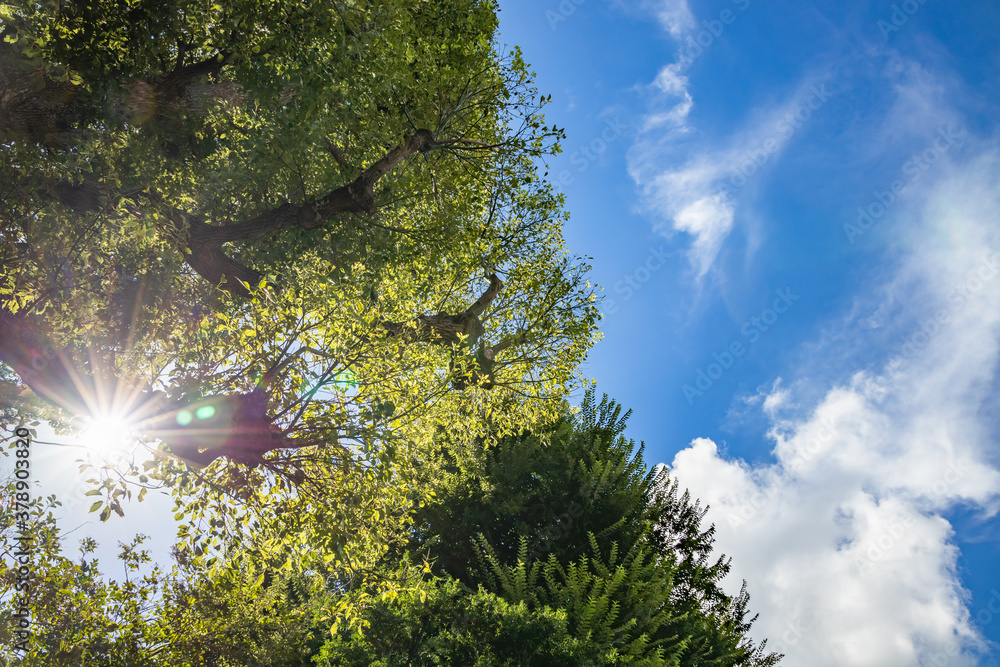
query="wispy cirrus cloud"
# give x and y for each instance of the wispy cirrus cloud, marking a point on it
(674, 15)
(698, 195)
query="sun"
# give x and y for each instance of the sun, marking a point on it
(107, 433)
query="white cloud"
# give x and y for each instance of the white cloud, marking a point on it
(675, 15)
(709, 220)
(673, 85)
(671, 80)
(699, 195)
(843, 539)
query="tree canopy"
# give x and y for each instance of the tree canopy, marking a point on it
(307, 253)
(223, 211)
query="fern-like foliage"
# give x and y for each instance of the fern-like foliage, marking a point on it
(614, 603)
(574, 519)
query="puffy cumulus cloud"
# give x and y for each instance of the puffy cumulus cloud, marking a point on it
(843, 537)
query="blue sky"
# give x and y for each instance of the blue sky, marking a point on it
(793, 207)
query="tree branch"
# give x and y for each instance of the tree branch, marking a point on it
(355, 197)
(445, 329)
(36, 108)
(240, 427)
(480, 306)
(43, 369)
(210, 261)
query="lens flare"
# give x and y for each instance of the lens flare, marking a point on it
(205, 412)
(106, 434)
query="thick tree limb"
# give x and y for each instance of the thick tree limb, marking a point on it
(465, 328)
(35, 108)
(240, 429)
(43, 368)
(208, 258)
(355, 197)
(445, 329)
(483, 302)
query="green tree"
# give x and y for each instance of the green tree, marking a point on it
(571, 518)
(446, 624)
(296, 246)
(241, 202)
(212, 213)
(59, 611)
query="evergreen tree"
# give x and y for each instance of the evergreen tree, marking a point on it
(571, 518)
(446, 624)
